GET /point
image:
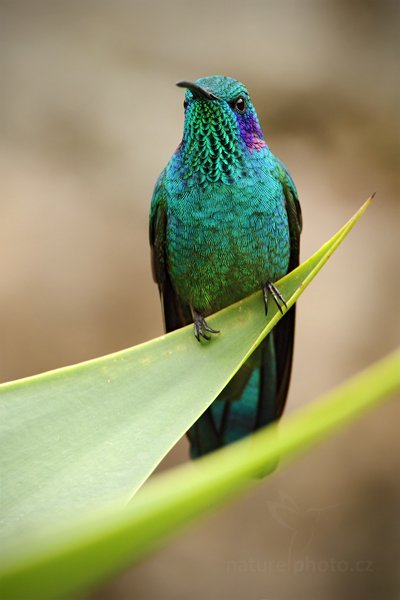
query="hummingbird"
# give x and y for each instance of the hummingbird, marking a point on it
(225, 221)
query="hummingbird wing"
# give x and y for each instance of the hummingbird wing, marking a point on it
(175, 314)
(283, 332)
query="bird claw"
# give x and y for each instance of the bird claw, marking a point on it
(268, 289)
(201, 327)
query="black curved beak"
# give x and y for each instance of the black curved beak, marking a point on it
(197, 90)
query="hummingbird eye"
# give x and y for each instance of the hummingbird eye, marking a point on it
(239, 105)
(185, 103)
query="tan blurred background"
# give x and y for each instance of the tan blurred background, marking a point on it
(89, 117)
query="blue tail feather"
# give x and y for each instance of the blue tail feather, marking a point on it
(238, 412)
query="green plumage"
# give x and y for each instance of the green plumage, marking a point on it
(225, 221)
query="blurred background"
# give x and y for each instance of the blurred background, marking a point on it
(89, 117)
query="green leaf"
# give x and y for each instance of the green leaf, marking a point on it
(88, 436)
(94, 550)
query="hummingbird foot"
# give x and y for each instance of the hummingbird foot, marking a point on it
(200, 326)
(270, 289)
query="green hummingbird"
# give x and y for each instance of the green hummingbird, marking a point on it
(225, 221)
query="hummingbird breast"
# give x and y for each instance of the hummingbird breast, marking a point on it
(225, 241)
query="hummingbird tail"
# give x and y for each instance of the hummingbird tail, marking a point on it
(254, 397)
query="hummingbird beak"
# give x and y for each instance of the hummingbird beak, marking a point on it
(197, 91)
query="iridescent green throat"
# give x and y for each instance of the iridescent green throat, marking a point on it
(212, 149)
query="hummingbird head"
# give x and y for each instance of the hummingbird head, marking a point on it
(222, 135)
